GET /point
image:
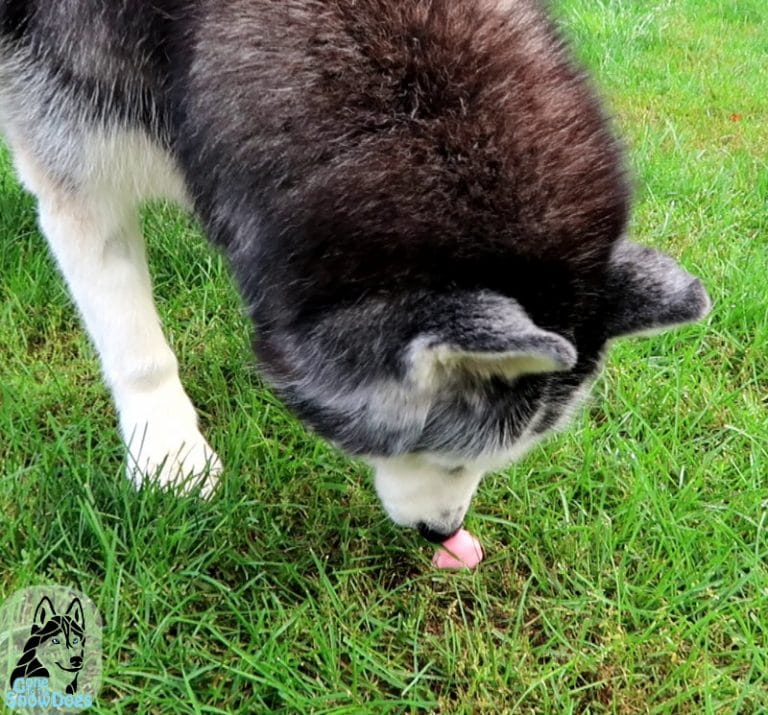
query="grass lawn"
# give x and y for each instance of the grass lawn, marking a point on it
(626, 568)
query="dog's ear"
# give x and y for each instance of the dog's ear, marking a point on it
(75, 611)
(647, 292)
(487, 335)
(44, 612)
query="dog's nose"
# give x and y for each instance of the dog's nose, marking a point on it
(436, 536)
(75, 661)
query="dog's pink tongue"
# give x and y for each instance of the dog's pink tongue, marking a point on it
(461, 551)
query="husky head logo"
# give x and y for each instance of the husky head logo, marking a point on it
(54, 649)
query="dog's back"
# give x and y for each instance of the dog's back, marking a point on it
(360, 82)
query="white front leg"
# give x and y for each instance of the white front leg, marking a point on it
(95, 235)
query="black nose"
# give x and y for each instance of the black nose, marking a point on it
(436, 537)
(76, 661)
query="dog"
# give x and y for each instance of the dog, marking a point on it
(55, 647)
(423, 203)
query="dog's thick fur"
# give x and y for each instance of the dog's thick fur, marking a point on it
(422, 202)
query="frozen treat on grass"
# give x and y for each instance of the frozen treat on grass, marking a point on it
(460, 551)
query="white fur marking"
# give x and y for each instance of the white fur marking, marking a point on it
(94, 234)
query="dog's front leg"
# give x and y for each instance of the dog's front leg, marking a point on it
(94, 233)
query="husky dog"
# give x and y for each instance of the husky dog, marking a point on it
(54, 649)
(422, 202)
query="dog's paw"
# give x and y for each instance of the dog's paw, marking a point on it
(181, 460)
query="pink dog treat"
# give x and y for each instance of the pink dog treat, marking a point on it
(461, 551)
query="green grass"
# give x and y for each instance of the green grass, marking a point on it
(626, 568)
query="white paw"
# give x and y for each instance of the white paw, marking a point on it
(161, 453)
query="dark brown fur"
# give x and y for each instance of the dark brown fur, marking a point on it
(427, 144)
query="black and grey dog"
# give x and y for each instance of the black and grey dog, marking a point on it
(421, 200)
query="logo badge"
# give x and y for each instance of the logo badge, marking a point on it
(50, 650)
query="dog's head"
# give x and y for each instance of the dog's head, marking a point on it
(437, 388)
(437, 259)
